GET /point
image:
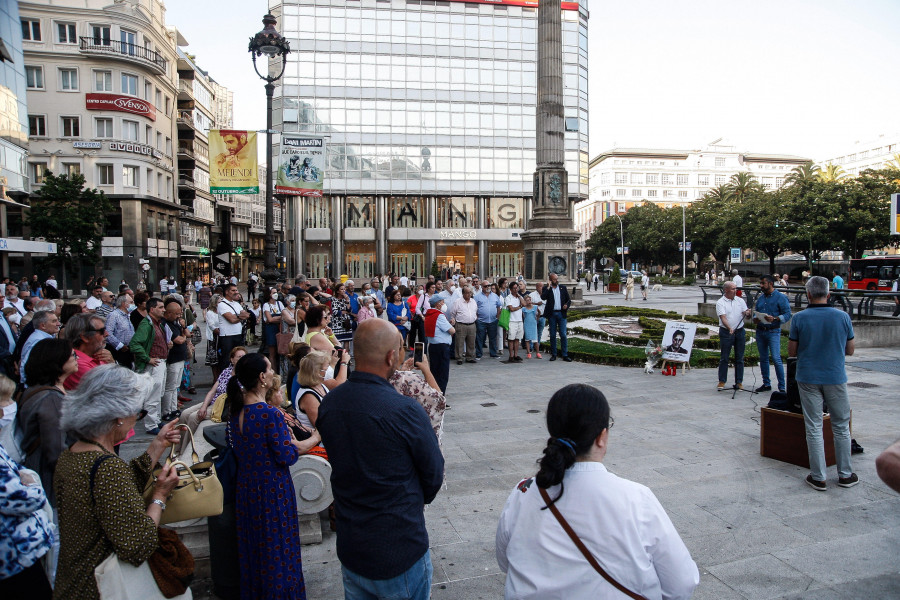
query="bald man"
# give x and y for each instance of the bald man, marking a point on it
(386, 465)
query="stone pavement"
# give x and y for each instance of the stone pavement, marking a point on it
(753, 526)
(751, 523)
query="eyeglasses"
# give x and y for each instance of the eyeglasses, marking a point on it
(101, 331)
(611, 422)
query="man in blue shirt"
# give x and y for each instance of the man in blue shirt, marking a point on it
(837, 280)
(820, 338)
(439, 334)
(489, 306)
(775, 310)
(354, 302)
(386, 465)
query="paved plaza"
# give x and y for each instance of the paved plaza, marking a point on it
(752, 525)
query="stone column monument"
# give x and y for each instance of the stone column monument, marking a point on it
(550, 237)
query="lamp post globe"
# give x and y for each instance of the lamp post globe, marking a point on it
(271, 44)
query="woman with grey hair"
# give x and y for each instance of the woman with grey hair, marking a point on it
(288, 323)
(98, 494)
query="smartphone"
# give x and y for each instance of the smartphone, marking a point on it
(419, 352)
(340, 353)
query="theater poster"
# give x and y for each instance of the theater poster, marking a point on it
(301, 170)
(233, 162)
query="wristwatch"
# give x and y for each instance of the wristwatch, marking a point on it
(162, 504)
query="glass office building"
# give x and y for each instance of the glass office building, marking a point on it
(428, 110)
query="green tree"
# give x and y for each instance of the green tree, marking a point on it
(752, 223)
(604, 240)
(806, 173)
(894, 163)
(434, 269)
(73, 217)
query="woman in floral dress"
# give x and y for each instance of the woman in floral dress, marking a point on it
(340, 316)
(265, 500)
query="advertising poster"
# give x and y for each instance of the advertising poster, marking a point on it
(678, 339)
(301, 170)
(233, 164)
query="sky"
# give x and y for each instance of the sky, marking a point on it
(801, 77)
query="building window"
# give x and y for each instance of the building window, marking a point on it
(651, 193)
(72, 169)
(71, 126)
(158, 102)
(779, 181)
(720, 161)
(104, 127)
(34, 78)
(129, 84)
(38, 171)
(721, 179)
(604, 179)
(682, 193)
(605, 193)
(703, 180)
(635, 193)
(167, 105)
(682, 179)
(130, 130)
(148, 135)
(31, 30)
(360, 211)
(128, 39)
(103, 81)
(455, 212)
(505, 213)
(130, 176)
(37, 125)
(666, 179)
(652, 179)
(149, 181)
(101, 35)
(620, 193)
(105, 174)
(407, 212)
(148, 90)
(159, 143)
(66, 33)
(637, 179)
(620, 207)
(621, 178)
(68, 79)
(168, 146)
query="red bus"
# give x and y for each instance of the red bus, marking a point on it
(875, 273)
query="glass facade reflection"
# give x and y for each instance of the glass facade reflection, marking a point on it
(429, 108)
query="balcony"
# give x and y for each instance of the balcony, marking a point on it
(124, 51)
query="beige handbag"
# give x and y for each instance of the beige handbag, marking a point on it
(198, 492)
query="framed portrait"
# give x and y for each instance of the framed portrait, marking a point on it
(678, 339)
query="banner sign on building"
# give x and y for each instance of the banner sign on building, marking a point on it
(233, 162)
(528, 3)
(120, 103)
(895, 214)
(301, 171)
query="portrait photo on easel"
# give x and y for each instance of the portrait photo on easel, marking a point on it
(678, 339)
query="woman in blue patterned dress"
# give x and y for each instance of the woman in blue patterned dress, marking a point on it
(265, 501)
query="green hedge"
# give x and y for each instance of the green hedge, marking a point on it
(707, 343)
(628, 356)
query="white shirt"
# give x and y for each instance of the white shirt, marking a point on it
(404, 281)
(738, 281)
(234, 280)
(645, 280)
(513, 301)
(464, 312)
(212, 322)
(732, 309)
(51, 283)
(226, 328)
(163, 284)
(622, 524)
(536, 299)
(93, 303)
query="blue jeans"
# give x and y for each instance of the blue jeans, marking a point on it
(414, 584)
(483, 329)
(558, 321)
(727, 341)
(541, 323)
(811, 397)
(769, 344)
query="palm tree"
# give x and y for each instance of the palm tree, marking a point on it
(894, 163)
(721, 193)
(805, 173)
(832, 174)
(742, 184)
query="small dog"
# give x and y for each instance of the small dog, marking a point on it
(657, 287)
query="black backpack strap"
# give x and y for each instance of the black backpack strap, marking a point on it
(94, 469)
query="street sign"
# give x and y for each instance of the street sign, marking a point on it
(681, 246)
(224, 257)
(626, 249)
(735, 255)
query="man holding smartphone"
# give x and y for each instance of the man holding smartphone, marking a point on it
(557, 301)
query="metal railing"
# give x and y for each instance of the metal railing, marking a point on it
(92, 45)
(842, 299)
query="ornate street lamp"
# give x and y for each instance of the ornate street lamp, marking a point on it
(272, 44)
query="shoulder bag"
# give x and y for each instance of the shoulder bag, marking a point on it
(119, 580)
(581, 547)
(504, 318)
(198, 492)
